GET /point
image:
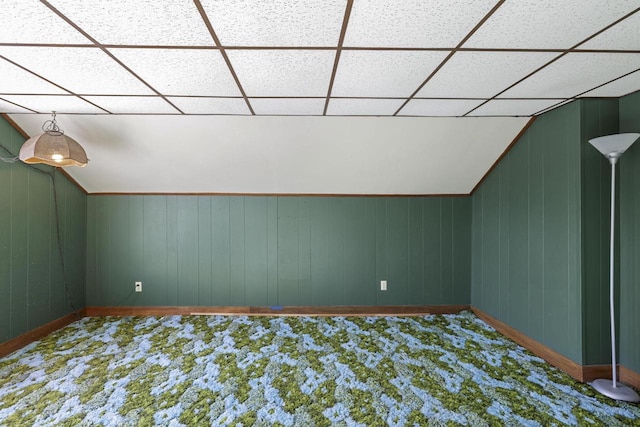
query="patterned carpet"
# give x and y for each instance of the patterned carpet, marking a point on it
(292, 371)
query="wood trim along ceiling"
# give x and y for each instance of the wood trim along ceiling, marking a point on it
(223, 48)
(216, 40)
(555, 59)
(453, 51)
(343, 31)
(97, 44)
(504, 153)
(27, 338)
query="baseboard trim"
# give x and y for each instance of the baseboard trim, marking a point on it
(27, 338)
(552, 357)
(629, 377)
(582, 373)
(351, 310)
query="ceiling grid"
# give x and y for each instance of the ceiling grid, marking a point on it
(411, 64)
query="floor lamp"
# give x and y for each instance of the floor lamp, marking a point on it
(612, 147)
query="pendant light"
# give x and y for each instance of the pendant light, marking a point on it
(53, 147)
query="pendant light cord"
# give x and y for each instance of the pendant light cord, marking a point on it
(51, 176)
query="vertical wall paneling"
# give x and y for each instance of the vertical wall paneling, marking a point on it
(598, 117)
(236, 251)
(256, 263)
(432, 242)
(155, 264)
(204, 251)
(221, 260)
(269, 250)
(629, 291)
(521, 216)
(32, 290)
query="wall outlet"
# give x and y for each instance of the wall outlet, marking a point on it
(383, 285)
(138, 286)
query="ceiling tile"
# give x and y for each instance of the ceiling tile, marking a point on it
(413, 23)
(288, 106)
(133, 104)
(383, 73)
(139, 22)
(276, 22)
(363, 107)
(573, 74)
(7, 107)
(81, 70)
(59, 103)
(211, 105)
(181, 71)
(303, 73)
(482, 74)
(513, 107)
(16, 80)
(438, 107)
(32, 22)
(625, 35)
(620, 87)
(534, 24)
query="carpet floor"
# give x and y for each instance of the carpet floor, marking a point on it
(292, 371)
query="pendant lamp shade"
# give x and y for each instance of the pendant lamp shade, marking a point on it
(53, 148)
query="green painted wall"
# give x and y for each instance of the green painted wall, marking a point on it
(540, 233)
(598, 117)
(31, 284)
(629, 166)
(526, 268)
(268, 250)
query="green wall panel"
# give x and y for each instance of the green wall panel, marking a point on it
(268, 250)
(629, 166)
(521, 239)
(31, 282)
(598, 117)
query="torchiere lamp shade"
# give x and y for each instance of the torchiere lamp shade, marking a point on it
(614, 144)
(53, 148)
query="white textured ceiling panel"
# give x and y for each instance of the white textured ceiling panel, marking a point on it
(303, 73)
(60, 103)
(513, 107)
(383, 73)
(140, 22)
(573, 74)
(181, 71)
(547, 24)
(7, 107)
(211, 105)
(276, 22)
(338, 155)
(32, 22)
(363, 107)
(625, 35)
(133, 104)
(438, 107)
(288, 106)
(81, 70)
(413, 23)
(482, 74)
(620, 87)
(16, 80)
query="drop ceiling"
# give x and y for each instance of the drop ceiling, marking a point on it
(308, 96)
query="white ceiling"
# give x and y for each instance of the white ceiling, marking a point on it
(178, 89)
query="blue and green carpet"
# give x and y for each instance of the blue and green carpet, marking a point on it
(292, 371)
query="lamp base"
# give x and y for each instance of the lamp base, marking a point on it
(619, 392)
